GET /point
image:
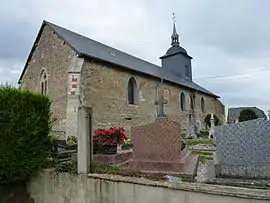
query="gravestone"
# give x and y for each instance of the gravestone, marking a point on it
(243, 150)
(157, 148)
(191, 126)
(198, 126)
(212, 126)
(160, 110)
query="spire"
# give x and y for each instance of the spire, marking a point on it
(175, 36)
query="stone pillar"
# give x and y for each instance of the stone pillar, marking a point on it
(84, 154)
(73, 95)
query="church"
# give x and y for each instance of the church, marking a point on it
(121, 89)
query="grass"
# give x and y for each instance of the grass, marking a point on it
(196, 142)
(105, 168)
(203, 153)
(204, 158)
(67, 167)
(108, 169)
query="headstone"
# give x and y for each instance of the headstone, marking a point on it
(119, 148)
(156, 148)
(268, 114)
(198, 126)
(212, 127)
(243, 150)
(191, 126)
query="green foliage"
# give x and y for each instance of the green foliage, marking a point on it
(247, 114)
(72, 140)
(24, 128)
(203, 135)
(105, 168)
(206, 153)
(205, 158)
(196, 142)
(67, 167)
(208, 123)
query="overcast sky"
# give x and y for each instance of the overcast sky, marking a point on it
(229, 40)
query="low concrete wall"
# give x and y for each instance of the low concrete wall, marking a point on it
(50, 187)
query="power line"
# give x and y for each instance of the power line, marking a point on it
(235, 75)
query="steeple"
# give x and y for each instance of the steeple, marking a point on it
(175, 36)
(176, 59)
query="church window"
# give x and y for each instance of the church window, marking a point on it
(183, 101)
(43, 83)
(132, 91)
(202, 105)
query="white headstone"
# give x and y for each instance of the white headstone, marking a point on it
(119, 148)
(199, 127)
(212, 127)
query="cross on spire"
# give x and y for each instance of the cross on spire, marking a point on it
(174, 18)
(175, 37)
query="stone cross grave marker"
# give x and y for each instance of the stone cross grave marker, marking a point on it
(161, 102)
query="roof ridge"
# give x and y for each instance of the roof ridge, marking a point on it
(88, 38)
(89, 48)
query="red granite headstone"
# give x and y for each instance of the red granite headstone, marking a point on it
(156, 146)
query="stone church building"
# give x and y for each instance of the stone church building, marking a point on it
(122, 90)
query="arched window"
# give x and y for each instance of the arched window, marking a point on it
(132, 91)
(202, 105)
(43, 83)
(183, 101)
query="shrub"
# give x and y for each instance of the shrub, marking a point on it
(208, 122)
(24, 128)
(72, 140)
(247, 114)
(67, 167)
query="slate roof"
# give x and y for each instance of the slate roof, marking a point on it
(89, 48)
(234, 113)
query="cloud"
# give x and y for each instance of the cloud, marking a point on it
(224, 37)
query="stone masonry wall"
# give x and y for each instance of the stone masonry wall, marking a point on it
(53, 55)
(104, 88)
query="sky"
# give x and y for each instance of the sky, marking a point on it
(229, 40)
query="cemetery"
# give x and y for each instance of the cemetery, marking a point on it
(230, 154)
(157, 158)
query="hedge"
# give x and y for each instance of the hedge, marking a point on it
(24, 129)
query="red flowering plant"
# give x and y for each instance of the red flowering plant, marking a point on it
(112, 136)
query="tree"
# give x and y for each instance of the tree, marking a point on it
(247, 114)
(24, 129)
(208, 123)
